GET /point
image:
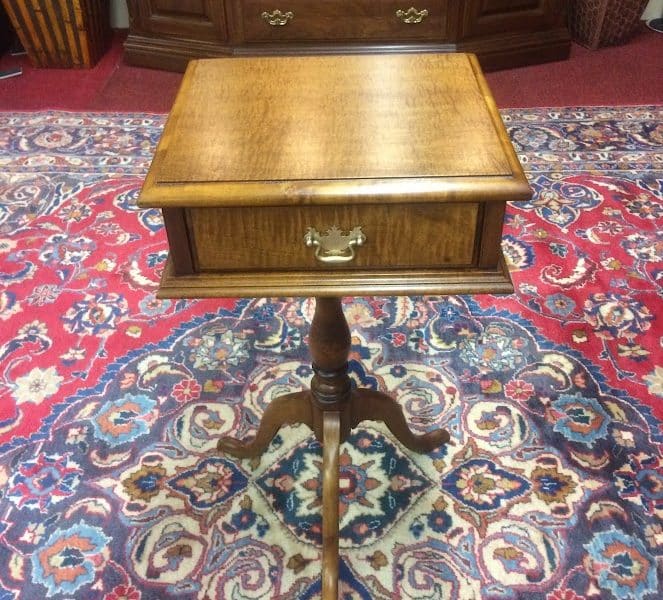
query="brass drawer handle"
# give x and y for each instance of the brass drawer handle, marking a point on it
(276, 18)
(412, 15)
(334, 246)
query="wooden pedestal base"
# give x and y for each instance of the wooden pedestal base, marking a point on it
(331, 408)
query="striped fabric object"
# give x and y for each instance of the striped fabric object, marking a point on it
(61, 33)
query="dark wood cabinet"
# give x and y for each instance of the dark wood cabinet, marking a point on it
(503, 33)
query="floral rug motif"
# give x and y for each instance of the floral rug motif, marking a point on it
(111, 402)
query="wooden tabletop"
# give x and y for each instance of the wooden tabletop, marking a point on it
(316, 129)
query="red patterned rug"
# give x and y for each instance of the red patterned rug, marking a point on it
(111, 400)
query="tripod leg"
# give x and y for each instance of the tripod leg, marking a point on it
(286, 409)
(369, 405)
(330, 498)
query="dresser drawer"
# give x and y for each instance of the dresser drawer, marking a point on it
(397, 236)
(332, 20)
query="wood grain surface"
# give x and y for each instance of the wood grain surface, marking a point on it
(397, 236)
(332, 117)
(335, 282)
(410, 148)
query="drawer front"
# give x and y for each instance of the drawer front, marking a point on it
(333, 20)
(272, 238)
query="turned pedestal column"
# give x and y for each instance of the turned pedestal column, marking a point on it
(331, 408)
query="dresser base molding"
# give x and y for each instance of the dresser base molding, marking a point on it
(170, 54)
(334, 283)
(518, 50)
(493, 54)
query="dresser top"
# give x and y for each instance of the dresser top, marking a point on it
(318, 128)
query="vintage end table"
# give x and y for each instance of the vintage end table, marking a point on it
(329, 176)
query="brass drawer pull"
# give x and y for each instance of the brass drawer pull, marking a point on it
(276, 18)
(412, 15)
(334, 246)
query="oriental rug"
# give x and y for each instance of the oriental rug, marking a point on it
(111, 401)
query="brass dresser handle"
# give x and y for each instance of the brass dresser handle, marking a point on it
(412, 15)
(334, 246)
(276, 18)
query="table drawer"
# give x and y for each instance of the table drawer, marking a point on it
(332, 20)
(397, 236)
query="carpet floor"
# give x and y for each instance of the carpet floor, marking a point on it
(111, 401)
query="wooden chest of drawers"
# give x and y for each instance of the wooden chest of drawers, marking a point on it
(334, 175)
(167, 33)
(361, 20)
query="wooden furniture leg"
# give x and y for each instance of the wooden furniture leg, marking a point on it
(331, 409)
(330, 496)
(370, 405)
(284, 410)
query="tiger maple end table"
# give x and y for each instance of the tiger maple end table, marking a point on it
(328, 176)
